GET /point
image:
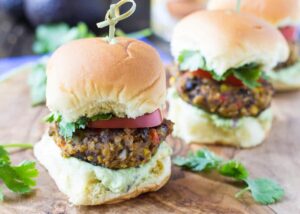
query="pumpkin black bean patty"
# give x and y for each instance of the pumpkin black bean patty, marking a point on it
(113, 148)
(222, 99)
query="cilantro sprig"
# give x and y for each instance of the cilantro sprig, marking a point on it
(50, 37)
(20, 178)
(37, 82)
(67, 129)
(201, 160)
(263, 191)
(249, 74)
(191, 60)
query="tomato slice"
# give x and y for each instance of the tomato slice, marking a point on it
(146, 121)
(203, 74)
(232, 80)
(290, 33)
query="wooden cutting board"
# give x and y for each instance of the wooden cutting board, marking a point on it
(186, 192)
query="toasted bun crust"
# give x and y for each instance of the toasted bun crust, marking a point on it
(90, 76)
(277, 12)
(227, 39)
(84, 183)
(196, 126)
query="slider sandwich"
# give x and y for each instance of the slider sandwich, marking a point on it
(106, 141)
(220, 93)
(285, 15)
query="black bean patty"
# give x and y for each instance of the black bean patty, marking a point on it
(113, 148)
(223, 99)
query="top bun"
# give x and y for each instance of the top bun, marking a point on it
(278, 12)
(227, 39)
(90, 76)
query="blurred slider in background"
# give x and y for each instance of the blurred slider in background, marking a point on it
(284, 15)
(166, 13)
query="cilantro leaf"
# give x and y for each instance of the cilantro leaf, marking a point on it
(49, 118)
(201, 160)
(50, 37)
(194, 164)
(265, 191)
(77, 32)
(67, 129)
(20, 178)
(234, 169)
(37, 81)
(190, 60)
(213, 160)
(101, 117)
(248, 74)
(81, 123)
(26, 171)
(52, 118)
(4, 156)
(140, 34)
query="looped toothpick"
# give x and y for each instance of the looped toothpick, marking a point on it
(113, 16)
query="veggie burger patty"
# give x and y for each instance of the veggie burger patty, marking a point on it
(222, 99)
(113, 148)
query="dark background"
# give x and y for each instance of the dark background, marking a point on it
(16, 37)
(18, 19)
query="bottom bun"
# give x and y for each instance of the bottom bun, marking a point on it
(194, 125)
(86, 184)
(286, 79)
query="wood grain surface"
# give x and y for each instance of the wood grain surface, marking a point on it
(186, 192)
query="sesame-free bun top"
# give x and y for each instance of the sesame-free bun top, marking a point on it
(227, 39)
(90, 76)
(277, 12)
